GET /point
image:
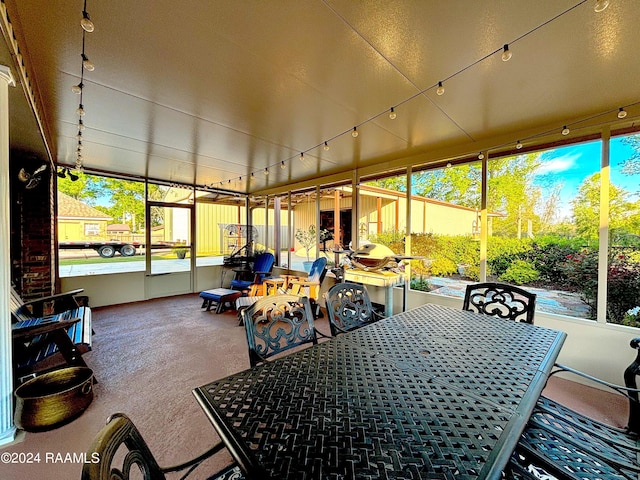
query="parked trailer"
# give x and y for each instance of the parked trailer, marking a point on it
(104, 249)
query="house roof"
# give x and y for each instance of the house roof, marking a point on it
(70, 208)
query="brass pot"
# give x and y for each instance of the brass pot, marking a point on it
(53, 399)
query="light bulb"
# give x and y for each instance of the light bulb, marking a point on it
(326, 146)
(448, 164)
(79, 135)
(440, 89)
(302, 156)
(282, 165)
(80, 146)
(253, 175)
(80, 125)
(392, 114)
(354, 134)
(266, 171)
(622, 113)
(518, 145)
(80, 111)
(601, 5)
(86, 23)
(481, 156)
(565, 130)
(506, 53)
(87, 64)
(77, 89)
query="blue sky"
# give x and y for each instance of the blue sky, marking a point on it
(571, 165)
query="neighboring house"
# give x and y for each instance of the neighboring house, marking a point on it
(78, 221)
(119, 231)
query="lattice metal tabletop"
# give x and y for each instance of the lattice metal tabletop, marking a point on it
(433, 393)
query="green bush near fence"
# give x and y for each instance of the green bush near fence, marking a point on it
(552, 262)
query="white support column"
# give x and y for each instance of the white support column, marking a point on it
(603, 243)
(7, 428)
(484, 218)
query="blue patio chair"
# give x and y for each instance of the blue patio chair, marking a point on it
(262, 266)
(61, 336)
(120, 433)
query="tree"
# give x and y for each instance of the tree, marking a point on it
(87, 188)
(631, 166)
(623, 215)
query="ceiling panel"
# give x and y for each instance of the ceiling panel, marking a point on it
(211, 92)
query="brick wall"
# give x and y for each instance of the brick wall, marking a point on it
(32, 231)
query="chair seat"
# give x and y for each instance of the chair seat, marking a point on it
(79, 333)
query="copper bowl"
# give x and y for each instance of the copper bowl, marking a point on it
(53, 399)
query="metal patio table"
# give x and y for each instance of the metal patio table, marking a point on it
(431, 393)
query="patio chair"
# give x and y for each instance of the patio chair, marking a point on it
(120, 433)
(500, 300)
(278, 323)
(41, 341)
(569, 445)
(262, 266)
(349, 307)
(292, 285)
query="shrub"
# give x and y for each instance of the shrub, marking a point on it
(419, 283)
(520, 272)
(393, 239)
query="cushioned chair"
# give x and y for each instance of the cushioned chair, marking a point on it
(121, 434)
(262, 266)
(349, 307)
(500, 300)
(566, 444)
(277, 323)
(42, 341)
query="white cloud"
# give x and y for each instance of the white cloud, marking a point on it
(558, 164)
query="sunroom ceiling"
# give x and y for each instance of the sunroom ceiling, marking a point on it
(211, 92)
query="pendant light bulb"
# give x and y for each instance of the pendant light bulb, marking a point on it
(481, 156)
(354, 134)
(79, 135)
(80, 111)
(87, 64)
(282, 165)
(601, 5)
(565, 131)
(518, 145)
(440, 89)
(302, 156)
(266, 171)
(326, 147)
(506, 53)
(392, 114)
(86, 23)
(77, 89)
(81, 125)
(622, 113)
(448, 164)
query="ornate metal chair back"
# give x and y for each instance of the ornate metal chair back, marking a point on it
(349, 307)
(278, 323)
(500, 300)
(118, 452)
(120, 432)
